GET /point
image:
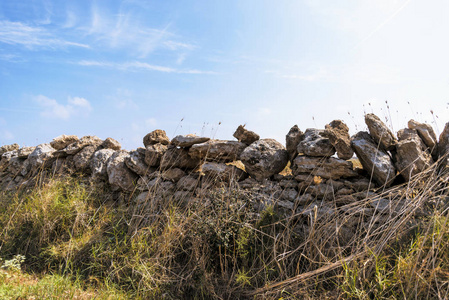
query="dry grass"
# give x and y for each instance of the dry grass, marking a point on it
(222, 245)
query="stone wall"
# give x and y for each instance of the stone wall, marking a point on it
(320, 163)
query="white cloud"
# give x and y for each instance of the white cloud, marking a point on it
(75, 106)
(136, 65)
(17, 33)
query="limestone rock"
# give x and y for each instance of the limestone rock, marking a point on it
(410, 158)
(173, 174)
(87, 140)
(178, 158)
(264, 158)
(292, 139)
(245, 136)
(24, 152)
(82, 158)
(8, 148)
(217, 150)
(5, 158)
(187, 183)
(63, 141)
(338, 134)
(185, 141)
(41, 157)
(155, 137)
(223, 172)
(98, 163)
(328, 168)
(380, 133)
(154, 153)
(375, 161)
(120, 177)
(110, 143)
(15, 165)
(136, 161)
(426, 133)
(443, 144)
(315, 144)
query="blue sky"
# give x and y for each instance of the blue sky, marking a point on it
(124, 68)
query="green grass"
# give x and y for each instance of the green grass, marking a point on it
(82, 241)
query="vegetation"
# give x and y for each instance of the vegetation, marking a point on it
(67, 238)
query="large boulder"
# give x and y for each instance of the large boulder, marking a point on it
(426, 133)
(120, 177)
(135, 161)
(185, 141)
(338, 134)
(154, 153)
(380, 133)
(222, 172)
(315, 143)
(217, 150)
(292, 139)
(245, 136)
(178, 158)
(63, 141)
(328, 167)
(264, 158)
(375, 161)
(8, 148)
(155, 137)
(88, 140)
(410, 158)
(98, 163)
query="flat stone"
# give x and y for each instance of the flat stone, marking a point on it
(173, 174)
(178, 158)
(77, 146)
(315, 143)
(380, 133)
(264, 158)
(217, 150)
(63, 141)
(443, 144)
(328, 168)
(222, 172)
(292, 139)
(245, 136)
(338, 134)
(375, 161)
(185, 141)
(155, 137)
(187, 183)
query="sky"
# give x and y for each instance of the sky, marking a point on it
(121, 69)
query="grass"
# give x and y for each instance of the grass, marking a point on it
(81, 241)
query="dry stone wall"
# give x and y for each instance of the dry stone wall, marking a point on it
(320, 162)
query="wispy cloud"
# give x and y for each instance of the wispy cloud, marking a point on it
(126, 30)
(32, 37)
(75, 106)
(136, 65)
